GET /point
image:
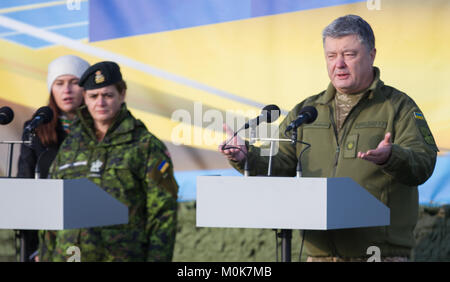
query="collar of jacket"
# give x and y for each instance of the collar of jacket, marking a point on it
(119, 132)
(374, 89)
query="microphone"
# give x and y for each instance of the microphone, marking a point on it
(265, 116)
(306, 115)
(43, 115)
(6, 115)
(269, 113)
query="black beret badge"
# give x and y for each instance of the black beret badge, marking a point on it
(99, 78)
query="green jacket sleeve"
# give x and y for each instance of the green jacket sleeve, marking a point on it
(161, 206)
(414, 150)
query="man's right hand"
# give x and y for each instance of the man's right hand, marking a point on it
(233, 153)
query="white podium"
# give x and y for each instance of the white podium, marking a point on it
(55, 204)
(286, 203)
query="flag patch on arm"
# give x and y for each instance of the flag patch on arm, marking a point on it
(418, 115)
(163, 166)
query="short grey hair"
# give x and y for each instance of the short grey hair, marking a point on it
(349, 25)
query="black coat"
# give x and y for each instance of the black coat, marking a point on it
(29, 154)
(28, 158)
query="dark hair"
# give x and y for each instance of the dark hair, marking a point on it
(121, 86)
(348, 25)
(47, 132)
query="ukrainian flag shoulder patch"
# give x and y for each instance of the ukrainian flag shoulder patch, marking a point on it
(418, 115)
(163, 166)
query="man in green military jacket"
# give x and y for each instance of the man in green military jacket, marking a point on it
(114, 150)
(365, 130)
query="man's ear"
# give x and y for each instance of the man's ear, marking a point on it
(373, 53)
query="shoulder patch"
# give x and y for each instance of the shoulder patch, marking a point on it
(426, 133)
(163, 166)
(424, 130)
(418, 115)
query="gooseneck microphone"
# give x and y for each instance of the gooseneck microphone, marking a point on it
(269, 113)
(6, 115)
(42, 116)
(306, 115)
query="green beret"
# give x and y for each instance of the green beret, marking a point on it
(100, 75)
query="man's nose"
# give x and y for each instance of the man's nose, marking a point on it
(340, 62)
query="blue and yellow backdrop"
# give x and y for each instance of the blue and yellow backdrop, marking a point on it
(228, 55)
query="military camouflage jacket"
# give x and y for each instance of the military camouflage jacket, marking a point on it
(134, 167)
(382, 109)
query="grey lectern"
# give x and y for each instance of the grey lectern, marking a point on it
(286, 203)
(56, 204)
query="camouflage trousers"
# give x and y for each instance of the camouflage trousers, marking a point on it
(339, 259)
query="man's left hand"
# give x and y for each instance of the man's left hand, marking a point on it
(381, 154)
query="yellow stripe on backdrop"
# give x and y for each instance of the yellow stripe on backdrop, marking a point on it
(274, 59)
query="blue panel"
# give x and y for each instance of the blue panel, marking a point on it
(272, 7)
(436, 191)
(4, 30)
(77, 32)
(118, 18)
(47, 17)
(15, 3)
(29, 41)
(50, 16)
(187, 180)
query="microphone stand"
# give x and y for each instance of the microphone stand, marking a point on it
(251, 142)
(299, 174)
(11, 153)
(285, 234)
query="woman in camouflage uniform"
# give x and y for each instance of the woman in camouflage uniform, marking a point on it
(111, 148)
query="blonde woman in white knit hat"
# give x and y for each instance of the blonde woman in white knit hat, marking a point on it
(65, 97)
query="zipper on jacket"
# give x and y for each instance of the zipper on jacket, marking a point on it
(338, 149)
(336, 156)
(346, 126)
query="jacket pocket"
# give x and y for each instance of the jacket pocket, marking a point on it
(371, 124)
(324, 125)
(371, 133)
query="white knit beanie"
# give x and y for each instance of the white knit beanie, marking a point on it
(64, 65)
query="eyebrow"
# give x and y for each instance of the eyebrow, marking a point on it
(96, 93)
(72, 79)
(344, 51)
